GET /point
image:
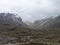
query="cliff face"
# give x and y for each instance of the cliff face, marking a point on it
(11, 19)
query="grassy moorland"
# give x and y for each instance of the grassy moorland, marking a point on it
(27, 36)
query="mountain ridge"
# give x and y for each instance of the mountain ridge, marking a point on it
(48, 23)
(11, 19)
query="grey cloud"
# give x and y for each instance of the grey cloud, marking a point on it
(36, 9)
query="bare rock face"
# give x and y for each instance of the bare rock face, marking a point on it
(11, 19)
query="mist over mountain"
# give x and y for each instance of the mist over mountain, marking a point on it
(11, 19)
(48, 23)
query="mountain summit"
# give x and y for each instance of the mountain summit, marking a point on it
(11, 19)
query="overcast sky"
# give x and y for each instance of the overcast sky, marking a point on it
(30, 10)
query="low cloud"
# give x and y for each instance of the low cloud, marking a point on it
(31, 10)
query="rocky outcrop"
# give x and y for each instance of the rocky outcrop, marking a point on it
(11, 19)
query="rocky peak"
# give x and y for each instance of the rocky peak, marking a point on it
(11, 19)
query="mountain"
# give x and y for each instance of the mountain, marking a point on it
(12, 30)
(56, 22)
(48, 23)
(11, 19)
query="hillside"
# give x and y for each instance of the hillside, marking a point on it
(48, 23)
(16, 34)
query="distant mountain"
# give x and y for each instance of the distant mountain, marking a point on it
(48, 23)
(11, 19)
(11, 30)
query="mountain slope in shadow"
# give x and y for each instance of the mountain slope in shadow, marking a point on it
(48, 23)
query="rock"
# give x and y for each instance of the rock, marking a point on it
(11, 19)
